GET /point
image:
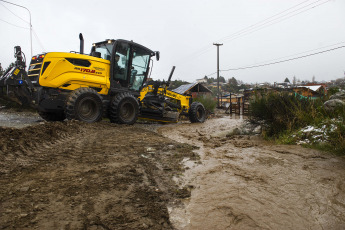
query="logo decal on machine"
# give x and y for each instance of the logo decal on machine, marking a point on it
(99, 69)
(85, 70)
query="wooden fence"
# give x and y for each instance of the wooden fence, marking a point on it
(236, 104)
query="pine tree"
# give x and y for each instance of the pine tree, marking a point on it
(1, 70)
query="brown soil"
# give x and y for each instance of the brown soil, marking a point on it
(72, 175)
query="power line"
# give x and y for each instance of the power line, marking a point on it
(308, 51)
(263, 20)
(261, 25)
(15, 14)
(291, 59)
(211, 74)
(39, 41)
(252, 28)
(257, 25)
(208, 47)
(29, 22)
(14, 24)
(35, 34)
(273, 22)
(285, 56)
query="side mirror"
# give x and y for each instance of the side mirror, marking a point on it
(157, 55)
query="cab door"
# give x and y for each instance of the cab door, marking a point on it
(130, 65)
(120, 64)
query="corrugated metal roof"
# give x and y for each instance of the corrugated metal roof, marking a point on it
(184, 88)
(312, 87)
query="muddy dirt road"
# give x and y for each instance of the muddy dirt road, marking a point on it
(73, 175)
(245, 183)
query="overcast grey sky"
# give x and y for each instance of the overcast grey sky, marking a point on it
(184, 32)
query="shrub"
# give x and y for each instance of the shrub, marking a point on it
(332, 90)
(282, 112)
(208, 102)
(288, 118)
(337, 137)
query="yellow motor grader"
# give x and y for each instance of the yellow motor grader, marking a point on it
(110, 82)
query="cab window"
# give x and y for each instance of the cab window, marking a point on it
(121, 63)
(104, 50)
(140, 62)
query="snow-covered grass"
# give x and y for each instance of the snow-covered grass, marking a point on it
(327, 135)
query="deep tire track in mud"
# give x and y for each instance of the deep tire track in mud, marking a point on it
(246, 183)
(74, 175)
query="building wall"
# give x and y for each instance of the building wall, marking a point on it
(196, 94)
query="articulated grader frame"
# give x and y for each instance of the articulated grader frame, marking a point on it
(87, 87)
(160, 104)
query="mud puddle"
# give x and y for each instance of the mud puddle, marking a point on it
(18, 119)
(242, 182)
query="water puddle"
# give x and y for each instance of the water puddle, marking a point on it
(18, 120)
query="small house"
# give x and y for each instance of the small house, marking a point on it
(311, 91)
(195, 89)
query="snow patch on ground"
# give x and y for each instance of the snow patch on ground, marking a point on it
(316, 134)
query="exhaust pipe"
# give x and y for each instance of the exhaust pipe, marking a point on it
(171, 73)
(81, 43)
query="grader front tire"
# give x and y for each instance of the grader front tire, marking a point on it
(124, 109)
(197, 113)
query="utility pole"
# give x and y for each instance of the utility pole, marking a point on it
(217, 44)
(29, 23)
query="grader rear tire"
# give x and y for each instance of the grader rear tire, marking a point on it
(84, 104)
(197, 113)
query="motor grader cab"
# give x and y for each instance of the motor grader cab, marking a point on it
(107, 82)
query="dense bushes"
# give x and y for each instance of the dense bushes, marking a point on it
(283, 112)
(283, 116)
(208, 102)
